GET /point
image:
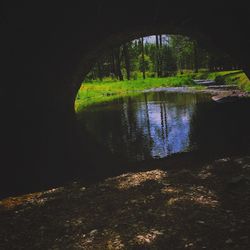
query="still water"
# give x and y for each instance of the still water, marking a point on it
(159, 124)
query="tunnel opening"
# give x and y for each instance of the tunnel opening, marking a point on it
(67, 49)
(143, 101)
(182, 203)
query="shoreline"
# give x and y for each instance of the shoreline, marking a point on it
(218, 92)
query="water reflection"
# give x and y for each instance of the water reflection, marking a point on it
(166, 126)
(151, 125)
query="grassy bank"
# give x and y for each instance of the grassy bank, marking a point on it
(237, 77)
(108, 89)
(96, 91)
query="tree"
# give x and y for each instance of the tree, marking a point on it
(144, 63)
(196, 60)
(143, 59)
(100, 71)
(183, 51)
(126, 59)
(164, 57)
(169, 66)
(117, 52)
(157, 56)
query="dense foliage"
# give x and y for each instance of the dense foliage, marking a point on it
(157, 56)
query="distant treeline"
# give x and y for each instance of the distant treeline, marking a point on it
(158, 56)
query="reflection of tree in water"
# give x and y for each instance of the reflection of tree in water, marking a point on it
(115, 125)
(136, 143)
(160, 124)
(164, 122)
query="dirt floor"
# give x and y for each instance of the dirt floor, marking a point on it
(190, 208)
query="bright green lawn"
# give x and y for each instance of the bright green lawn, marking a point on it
(97, 91)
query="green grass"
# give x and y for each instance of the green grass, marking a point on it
(235, 77)
(204, 74)
(238, 78)
(97, 92)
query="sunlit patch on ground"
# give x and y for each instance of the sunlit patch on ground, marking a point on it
(200, 208)
(172, 190)
(11, 203)
(38, 198)
(205, 173)
(147, 238)
(135, 179)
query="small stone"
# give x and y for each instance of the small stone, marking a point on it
(229, 241)
(201, 222)
(189, 245)
(93, 232)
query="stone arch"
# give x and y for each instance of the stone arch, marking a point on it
(47, 52)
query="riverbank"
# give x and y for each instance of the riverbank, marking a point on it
(192, 207)
(219, 93)
(97, 92)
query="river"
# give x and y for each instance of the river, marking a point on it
(157, 125)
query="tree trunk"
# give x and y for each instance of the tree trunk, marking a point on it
(100, 73)
(118, 64)
(126, 59)
(160, 36)
(143, 60)
(112, 69)
(157, 56)
(196, 62)
(160, 56)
